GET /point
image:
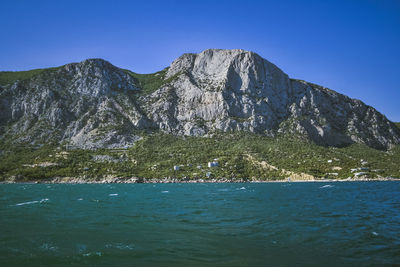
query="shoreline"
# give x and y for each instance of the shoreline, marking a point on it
(72, 180)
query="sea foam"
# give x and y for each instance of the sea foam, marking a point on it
(32, 202)
(92, 254)
(27, 203)
(48, 247)
(120, 246)
(326, 186)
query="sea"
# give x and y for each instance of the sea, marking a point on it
(204, 224)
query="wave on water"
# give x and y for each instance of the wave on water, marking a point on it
(121, 246)
(27, 203)
(168, 226)
(48, 247)
(91, 254)
(113, 195)
(32, 202)
(81, 248)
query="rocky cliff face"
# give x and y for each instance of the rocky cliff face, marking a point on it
(79, 104)
(94, 104)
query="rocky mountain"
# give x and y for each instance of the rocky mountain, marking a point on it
(93, 104)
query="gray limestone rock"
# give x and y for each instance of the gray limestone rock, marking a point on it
(93, 104)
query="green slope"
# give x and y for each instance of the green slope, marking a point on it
(245, 156)
(9, 77)
(148, 83)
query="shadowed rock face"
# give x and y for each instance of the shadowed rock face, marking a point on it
(95, 104)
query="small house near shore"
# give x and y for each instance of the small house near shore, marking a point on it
(213, 164)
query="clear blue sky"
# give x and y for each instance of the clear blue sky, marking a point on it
(350, 46)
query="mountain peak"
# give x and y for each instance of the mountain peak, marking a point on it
(214, 90)
(95, 61)
(91, 63)
(218, 62)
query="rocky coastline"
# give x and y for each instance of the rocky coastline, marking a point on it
(135, 180)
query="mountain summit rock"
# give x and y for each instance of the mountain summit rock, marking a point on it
(93, 104)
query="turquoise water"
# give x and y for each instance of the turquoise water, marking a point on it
(278, 224)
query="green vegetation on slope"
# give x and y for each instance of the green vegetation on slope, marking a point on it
(9, 77)
(397, 124)
(239, 155)
(148, 83)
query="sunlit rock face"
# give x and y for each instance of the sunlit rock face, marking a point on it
(94, 104)
(78, 103)
(237, 90)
